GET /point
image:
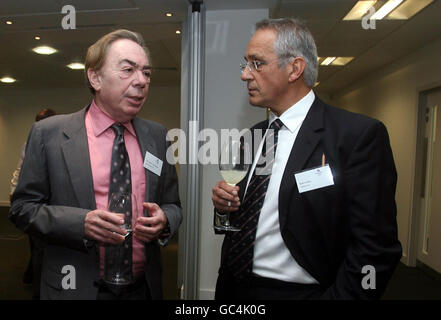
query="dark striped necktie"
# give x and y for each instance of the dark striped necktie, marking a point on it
(240, 254)
(120, 183)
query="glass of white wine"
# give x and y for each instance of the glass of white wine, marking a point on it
(234, 162)
(115, 270)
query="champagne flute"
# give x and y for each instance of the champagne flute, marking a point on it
(115, 271)
(234, 163)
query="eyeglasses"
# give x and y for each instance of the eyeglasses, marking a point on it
(252, 65)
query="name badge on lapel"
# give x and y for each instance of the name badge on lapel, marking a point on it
(153, 163)
(314, 178)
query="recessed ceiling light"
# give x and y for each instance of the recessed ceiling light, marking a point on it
(44, 50)
(168, 14)
(387, 8)
(341, 61)
(408, 9)
(8, 22)
(37, 38)
(328, 61)
(178, 32)
(359, 10)
(336, 61)
(7, 80)
(75, 66)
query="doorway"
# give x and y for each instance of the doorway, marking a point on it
(425, 248)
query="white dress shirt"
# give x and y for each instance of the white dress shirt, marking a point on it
(272, 258)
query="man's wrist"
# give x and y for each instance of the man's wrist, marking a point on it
(166, 231)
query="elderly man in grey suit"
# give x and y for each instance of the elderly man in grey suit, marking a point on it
(72, 165)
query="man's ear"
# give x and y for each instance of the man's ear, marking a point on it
(94, 79)
(296, 67)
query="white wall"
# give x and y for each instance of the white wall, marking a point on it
(391, 95)
(225, 106)
(18, 109)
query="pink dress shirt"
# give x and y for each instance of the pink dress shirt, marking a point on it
(100, 138)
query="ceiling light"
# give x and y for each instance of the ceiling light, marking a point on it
(316, 84)
(328, 61)
(359, 10)
(341, 61)
(7, 80)
(168, 14)
(408, 9)
(387, 8)
(336, 61)
(37, 38)
(178, 32)
(8, 22)
(75, 66)
(44, 50)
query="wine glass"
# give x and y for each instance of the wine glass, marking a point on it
(121, 202)
(234, 162)
(116, 271)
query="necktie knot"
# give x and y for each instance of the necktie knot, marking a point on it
(276, 124)
(118, 128)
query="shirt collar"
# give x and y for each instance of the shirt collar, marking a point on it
(101, 121)
(294, 115)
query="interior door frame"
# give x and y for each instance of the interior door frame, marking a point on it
(419, 174)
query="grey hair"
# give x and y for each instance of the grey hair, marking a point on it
(293, 40)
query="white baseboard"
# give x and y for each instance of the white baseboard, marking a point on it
(206, 294)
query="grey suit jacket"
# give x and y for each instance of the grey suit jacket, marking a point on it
(55, 192)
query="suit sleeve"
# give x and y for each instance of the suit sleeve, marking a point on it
(373, 249)
(170, 202)
(31, 210)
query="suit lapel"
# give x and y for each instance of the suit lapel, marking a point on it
(76, 156)
(147, 143)
(309, 135)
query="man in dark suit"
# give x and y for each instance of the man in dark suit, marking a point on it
(320, 221)
(71, 164)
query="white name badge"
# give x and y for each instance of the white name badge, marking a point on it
(315, 178)
(152, 163)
